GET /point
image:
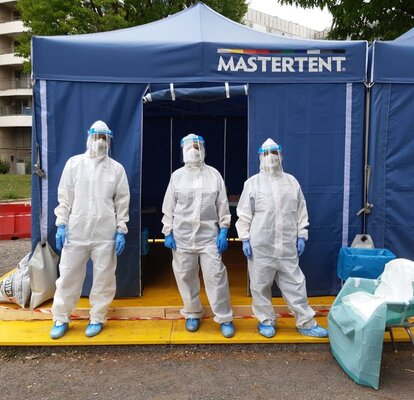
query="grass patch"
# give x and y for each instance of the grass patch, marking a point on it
(15, 186)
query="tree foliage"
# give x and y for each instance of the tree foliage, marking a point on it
(70, 17)
(365, 19)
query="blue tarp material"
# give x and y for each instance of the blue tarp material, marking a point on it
(64, 111)
(391, 147)
(315, 111)
(323, 149)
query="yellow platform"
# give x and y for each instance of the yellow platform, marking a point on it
(154, 318)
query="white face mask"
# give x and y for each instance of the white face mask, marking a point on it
(192, 155)
(100, 147)
(271, 161)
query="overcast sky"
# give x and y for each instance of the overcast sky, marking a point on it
(311, 18)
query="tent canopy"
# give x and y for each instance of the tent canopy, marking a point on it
(392, 61)
(196, 44)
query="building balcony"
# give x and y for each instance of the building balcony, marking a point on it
(11, 27)
(16, 93)
(10, 60)
(15, 87)
(15, 110)
(15, 121)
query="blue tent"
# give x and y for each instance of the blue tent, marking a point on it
(307, 95)
(391, 148)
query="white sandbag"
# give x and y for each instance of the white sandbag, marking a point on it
(16, 287)
(43, 274)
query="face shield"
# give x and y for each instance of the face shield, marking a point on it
(193, 150)
(99, 139)
(270, 157)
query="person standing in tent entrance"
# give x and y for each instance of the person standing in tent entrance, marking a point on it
(91, 219)
(196, 220)
(272, 225)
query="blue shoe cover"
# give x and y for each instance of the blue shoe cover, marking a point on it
(266, 330)
(93, 329)
(227, 329)
(192, 324)
(316, 331)
(58, 330)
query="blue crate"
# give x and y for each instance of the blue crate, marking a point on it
(362, 263)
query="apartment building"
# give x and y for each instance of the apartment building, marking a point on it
(15, 92)
(267, 23)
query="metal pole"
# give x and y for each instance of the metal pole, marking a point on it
(367, 168)
(225, 149)
(171, 145)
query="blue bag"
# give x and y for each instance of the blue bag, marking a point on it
(362, 263)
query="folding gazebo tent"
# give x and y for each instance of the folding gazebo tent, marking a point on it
(391, 148)
(308, 95)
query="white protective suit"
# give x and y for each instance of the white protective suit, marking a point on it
(272, 215)
(93, 197)
(195, 207)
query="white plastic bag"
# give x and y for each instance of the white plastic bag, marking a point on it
(43, 274)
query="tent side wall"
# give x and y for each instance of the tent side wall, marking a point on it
(63, 113)
(391, 146)
(391, 150)
(320, 127)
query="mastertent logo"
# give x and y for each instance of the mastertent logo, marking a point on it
(260, 60)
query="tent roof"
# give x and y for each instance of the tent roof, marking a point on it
(189, 46)
(393, 61)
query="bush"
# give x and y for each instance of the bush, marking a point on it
(4, 167)
(28, 167)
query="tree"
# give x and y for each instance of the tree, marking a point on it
(365, 19)
(70, 17)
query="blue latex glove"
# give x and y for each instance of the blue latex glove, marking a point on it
(247, 249)
(222, 240)
(119, 243)
(60, 236)
(170, 242)
(300, 246)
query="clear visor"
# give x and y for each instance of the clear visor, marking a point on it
(193, 150)
(267, 152)
(100, 136)
(99, 144)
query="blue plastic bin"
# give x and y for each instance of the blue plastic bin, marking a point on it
(362, 263)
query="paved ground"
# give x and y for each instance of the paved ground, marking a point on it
(189, 372)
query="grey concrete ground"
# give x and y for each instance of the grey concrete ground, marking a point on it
(189, 372)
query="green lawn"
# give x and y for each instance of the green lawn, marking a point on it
(14, 186)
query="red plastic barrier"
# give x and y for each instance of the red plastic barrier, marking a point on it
(15, 220)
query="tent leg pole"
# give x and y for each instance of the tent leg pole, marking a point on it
(225, 149)
(171, 144)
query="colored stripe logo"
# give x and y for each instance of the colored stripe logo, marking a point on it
(285, 51)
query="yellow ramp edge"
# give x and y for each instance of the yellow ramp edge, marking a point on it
(146, 332)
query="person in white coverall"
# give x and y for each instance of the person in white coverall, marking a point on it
(91, 217)
(195, 224)
(272, 223)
